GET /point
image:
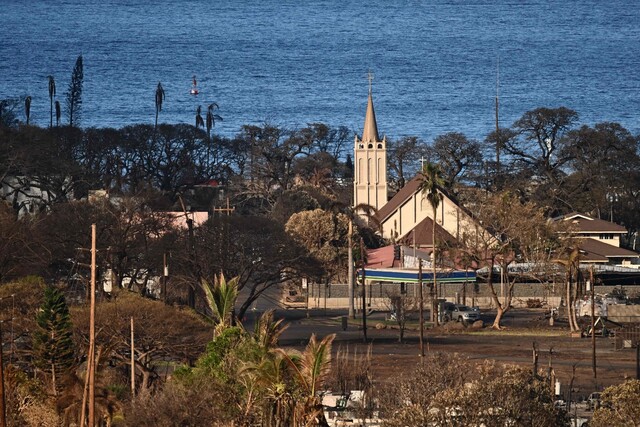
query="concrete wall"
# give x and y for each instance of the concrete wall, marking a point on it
(624, 313)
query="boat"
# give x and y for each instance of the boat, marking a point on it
(194, 87)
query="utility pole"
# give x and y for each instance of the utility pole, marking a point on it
(133, 362)
(352, 312)
(638, 360)
(165, 277)
(3, 419)
(364, 293)
(421, 309)
(193, 256)
(228, 209)
(593, 329)
(90, 379)
(92, 330)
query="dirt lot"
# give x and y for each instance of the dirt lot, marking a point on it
(513, 345)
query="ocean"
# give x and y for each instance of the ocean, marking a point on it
(436, 65)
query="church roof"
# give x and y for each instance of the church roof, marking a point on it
(399, 199)
(422, 235)
(370, 132)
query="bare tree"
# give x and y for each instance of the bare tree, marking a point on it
(511, 231)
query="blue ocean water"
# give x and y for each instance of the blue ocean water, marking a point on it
(290, 62)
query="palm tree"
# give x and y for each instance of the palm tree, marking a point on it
(211, 122)
(159, 100)
(199, 120)
(309, 372)
(212, 117)
(52, 93)
(27, 107)
(221, 298)
(58, 112)
(430, 181)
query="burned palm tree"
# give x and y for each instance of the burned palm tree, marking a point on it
(211, 122)
(199, 119)
(27, 108)
(58, 113)
(52, 93)
(159, 100)
(212, 117)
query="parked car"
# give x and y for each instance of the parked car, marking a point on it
(465, 314)
(446, 308)
(594, 401)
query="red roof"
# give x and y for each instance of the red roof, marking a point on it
(424, 234)
(381, 257)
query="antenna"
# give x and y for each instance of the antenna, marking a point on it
(497, 91)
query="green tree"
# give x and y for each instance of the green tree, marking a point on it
(74, 93)
(52, 94)
(53, 338)
(620, 406)
(310, 370)
(159, 101)
(221, 299)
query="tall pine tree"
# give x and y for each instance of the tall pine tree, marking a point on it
(74, 94)
(52, 340)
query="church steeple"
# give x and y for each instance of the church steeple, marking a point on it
(370, 162)
(370, 132)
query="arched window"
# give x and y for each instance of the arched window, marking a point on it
(380, 146)
(370, 146)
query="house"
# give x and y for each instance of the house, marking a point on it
(600, 241)
(29, 194)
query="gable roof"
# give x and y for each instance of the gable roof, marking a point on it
(597, 251)
(587, 224)
(399, 199)
(423, 233)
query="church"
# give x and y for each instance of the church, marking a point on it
(407, 218)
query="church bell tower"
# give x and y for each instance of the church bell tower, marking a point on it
(370, 162)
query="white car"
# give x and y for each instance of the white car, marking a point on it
(465, 314)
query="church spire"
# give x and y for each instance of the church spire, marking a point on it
(370, 132)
